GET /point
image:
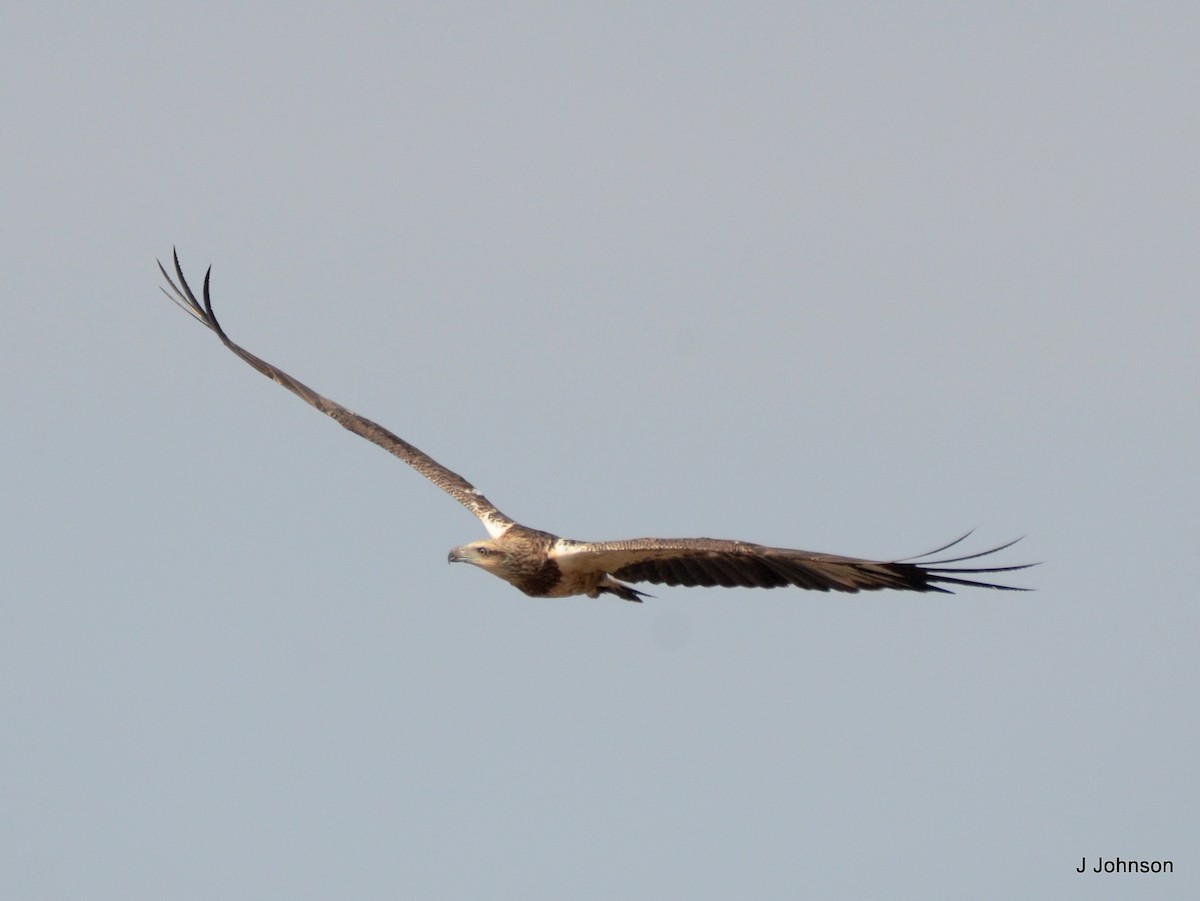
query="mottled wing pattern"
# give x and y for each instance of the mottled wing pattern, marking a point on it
(450, 482)
(712, 562)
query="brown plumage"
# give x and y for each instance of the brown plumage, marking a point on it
(545, 565)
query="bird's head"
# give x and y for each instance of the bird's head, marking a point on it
(485, 554)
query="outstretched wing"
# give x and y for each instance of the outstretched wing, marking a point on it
(450, 482)
(709, 562)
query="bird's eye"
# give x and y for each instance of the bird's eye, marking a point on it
(483, 551)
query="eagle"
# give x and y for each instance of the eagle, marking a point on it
(543, 565)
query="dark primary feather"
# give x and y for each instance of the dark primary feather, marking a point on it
(449, 481)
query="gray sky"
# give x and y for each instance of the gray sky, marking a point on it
(853, 281)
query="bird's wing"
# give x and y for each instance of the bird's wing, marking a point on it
(450, 482)
(710, 561)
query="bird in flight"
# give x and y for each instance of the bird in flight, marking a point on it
(546, 566)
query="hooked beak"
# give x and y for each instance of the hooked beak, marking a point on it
(455, 555)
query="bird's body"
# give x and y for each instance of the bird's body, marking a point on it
(544, 565)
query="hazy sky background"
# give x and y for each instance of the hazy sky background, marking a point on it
(846, 279)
